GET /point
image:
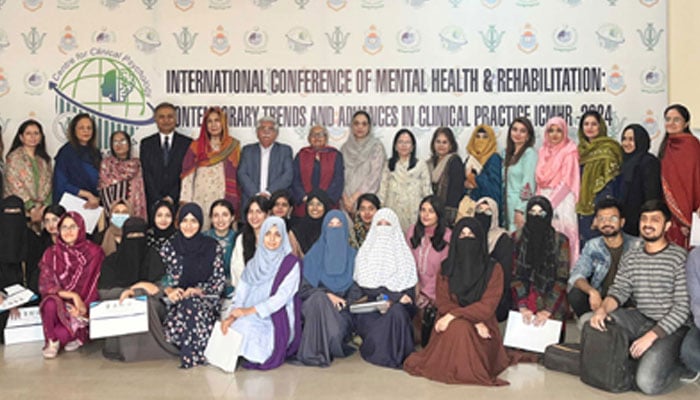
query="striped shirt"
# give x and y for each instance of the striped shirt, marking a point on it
(657, 283)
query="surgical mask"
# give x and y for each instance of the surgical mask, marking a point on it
(118, 219)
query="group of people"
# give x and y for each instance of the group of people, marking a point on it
(278, 247)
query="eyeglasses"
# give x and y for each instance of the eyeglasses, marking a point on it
(68, 228)
(317, 135)
(613, 218)
(120, 142)
(675, 120)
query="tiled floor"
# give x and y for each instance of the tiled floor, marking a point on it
(87, 375)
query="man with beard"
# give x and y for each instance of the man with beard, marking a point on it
(654, 276)
(596, 267)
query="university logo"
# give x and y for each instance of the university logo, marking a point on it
(183, 5)
(255, 41)
(104, 36)
(616, 124)
(649, 3)
(489, 3)
(34, 82)
(185, 39)
(263, 3)
(112, 4)
(452, 38)
(373, 41)
(220, 44)
(4, 83)
(565, 38)
(528, 39)
(219, 4)
(299, 39)
(4, 41)
(33, 39)
(149, 3)
(651, 124)
(653, 80)
(107, 84)
(32, 5)
(615, 82)
(492, 38)
(68, 4)
(68, 41)
(408, 40)
(302, 3)
(336, 5)
(650, 36)
(610, 36)
(147, 39)
(337, 39)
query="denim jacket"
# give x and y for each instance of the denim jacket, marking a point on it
(594, 262)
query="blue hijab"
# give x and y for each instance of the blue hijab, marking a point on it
(331, 260)
(265, 263)
(198, 252)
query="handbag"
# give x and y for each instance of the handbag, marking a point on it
(564, 357)
(605, 360)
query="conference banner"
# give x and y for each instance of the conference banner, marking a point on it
(417, 64)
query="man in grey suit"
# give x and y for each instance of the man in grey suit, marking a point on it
(265, 166)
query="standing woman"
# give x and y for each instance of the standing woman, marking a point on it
(429, 240)
(521, 161)
(121, 177)
(68, 284)
(255, 213)
(640, 176)
(222, 215)
(484, 166)
(600, 157)
(446, 171)
(557, 177)
(28, 170)
(210, 165)
(318, 166)
(367, 205)
(163, 227)
(364, 158)
(680, 172)
(77, 168)
(405, 180)
(385, 269)
(193, 282)
(266, 310)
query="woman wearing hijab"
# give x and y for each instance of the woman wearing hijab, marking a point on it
(254, 213)
(37, 244)
(405, 180)
(446, 171)
(640, 176)
(541, 266)
(266, 310)
(466, 346)
(429, 240)
(211, 163)
(307, 230)
(364, 158)
(385, 269)
(68, 284)
(193, 283)
(500, 246)
(13, 246)
(600, 158)
(484, 166)
(557, 177)
(163, 227)
(367, 205)
(121, 177)
(680, 173)
(328, 270)
(118, 214)
(519, 174)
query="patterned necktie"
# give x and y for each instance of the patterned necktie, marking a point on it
(166, 150)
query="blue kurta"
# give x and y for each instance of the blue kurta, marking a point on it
(490, 182)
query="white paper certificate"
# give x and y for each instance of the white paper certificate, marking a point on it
(222, 350)
(27, 328)
(75, 203)
(109, 318)
(17, 295)
(530, 337)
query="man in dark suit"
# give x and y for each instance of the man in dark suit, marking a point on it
(161, 158)
(265, 166)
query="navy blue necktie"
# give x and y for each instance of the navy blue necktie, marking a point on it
(166, 150)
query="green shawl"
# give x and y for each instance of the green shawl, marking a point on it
(601, 159)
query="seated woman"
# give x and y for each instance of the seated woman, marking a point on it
(266, 308)
(328, 270)
(429, 240)
(163, 227)
(68, 284)
(121, 176)
(193, 282)
(385, 269)
(110, 237)
(222, 215)
(541, 266)
(254, 213)
(37, 244)
(367, 206)
(307, 230)
(466, 346)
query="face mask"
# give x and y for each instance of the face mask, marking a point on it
(118, 219)
(484, 220)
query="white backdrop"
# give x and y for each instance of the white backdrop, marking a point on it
(412, 63)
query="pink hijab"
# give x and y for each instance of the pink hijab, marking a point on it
(558, 163)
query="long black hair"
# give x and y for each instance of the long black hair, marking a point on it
(40, 150)
(511, 156)
(395, 154)
(95, 156)
(443, 130)
(111, 143)
(248, 232)
(223, 203)
(438, 240)
(683, 111)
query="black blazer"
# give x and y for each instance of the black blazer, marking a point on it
(162, 180)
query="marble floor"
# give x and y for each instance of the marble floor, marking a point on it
(85, 374)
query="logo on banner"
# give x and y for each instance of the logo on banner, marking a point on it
(616, 81)
(34, 82)
(220, 44)
(528, 3)
(68, 42)
(2, 3)
(32, 5)
(299, 39)
(490, 3)
(149, 3)
(528, 39)
(33, 39)
(112, 4)
(185, 39)
(372, 4)
(653, 80)
(336, 5)
(337, 39)
(263, 3)
(651, 124)
(610, 36)
(4, 41)
(565, 38)
(492, 38)
(219, 4)
(573, 3)
(455, 3)
(616, 124)
(103, 36)
(255, 41)
(649, 3)
(183, 5)
(107, 84)
(373, 41)
(68, 4)
(452, 38)
(147, 40)
(416, 3)
(302, 3)
(408, 40)
(650, 36)
(4, 84)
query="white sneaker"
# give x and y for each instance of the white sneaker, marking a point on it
(73, 345)
(51, 349)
